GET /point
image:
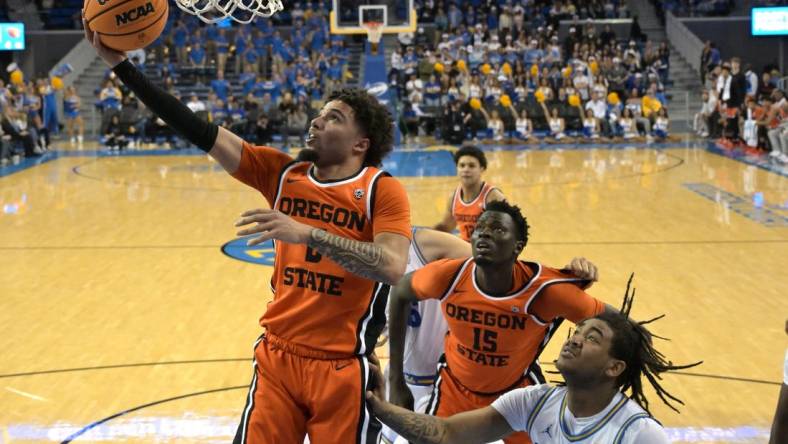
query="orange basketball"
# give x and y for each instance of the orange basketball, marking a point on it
(126, 24)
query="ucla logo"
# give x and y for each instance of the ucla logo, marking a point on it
(262, 254)
(134, 14)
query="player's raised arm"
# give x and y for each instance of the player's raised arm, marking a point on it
(402, 296)
(436, 245)
(219, 143)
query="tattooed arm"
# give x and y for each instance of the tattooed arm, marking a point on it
(383, 260)
(477, 426)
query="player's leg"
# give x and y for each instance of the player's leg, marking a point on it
(447, 397)
(337, 402)
(270, 415)
(69, 122)
(450, 398)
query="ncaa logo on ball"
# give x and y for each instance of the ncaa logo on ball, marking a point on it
(134, 14)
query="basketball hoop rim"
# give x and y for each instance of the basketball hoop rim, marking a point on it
(374, 31)
(372, 27)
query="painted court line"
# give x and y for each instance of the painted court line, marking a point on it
(26, 394)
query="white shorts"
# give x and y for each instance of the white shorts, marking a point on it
(421, 397)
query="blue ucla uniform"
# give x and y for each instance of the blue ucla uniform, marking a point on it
(71, 107)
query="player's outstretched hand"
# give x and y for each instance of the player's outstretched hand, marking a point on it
(109, 55)
(377, 395)
(376, 402)
(273, 225)
(584, 269)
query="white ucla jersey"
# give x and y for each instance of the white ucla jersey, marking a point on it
(426, 330)
(423, 345)
(541, 411)
(425, 333)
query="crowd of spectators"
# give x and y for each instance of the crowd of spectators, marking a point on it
(493, 69)
(742, 108)
(259, 80)
(25, 129)
(500, 70)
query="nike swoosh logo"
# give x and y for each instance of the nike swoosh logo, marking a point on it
(340, 366)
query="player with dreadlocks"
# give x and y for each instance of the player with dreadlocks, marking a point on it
(606, 356)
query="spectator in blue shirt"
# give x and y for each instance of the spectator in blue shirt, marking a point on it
(220, 86)
(318, 38)
(251, 59)
(455, 16)
(714, 55)
(222, 46)
(334, 71)
(179, 39)
(272, 87)
(197, 58)
(247, 81)
(338, 49)
(492, 19)
(432, 92)
(240, 42)
(470, 16)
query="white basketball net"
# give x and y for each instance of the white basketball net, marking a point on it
(242, 11)
(374, 31)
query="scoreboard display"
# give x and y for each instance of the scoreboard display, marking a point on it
(769, 21)
(12, 36)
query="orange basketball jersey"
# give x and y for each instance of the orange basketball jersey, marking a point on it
(317, 303)
(467, 213)
(494, 341)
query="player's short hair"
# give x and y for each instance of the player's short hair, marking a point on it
(632, 343)
(517, 216)
(473, 151)
(374, 120)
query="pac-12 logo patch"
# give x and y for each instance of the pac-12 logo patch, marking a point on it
(262, 254)
(358, 193)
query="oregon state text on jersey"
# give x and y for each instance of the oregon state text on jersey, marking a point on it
(466, 214)
(493, 341)
(318, 303)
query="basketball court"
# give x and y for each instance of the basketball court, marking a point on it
(130, 315)
(130, 307)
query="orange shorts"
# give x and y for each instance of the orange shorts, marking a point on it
(450, 398)
(297, 391)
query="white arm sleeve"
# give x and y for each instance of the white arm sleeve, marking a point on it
(514, 406)
(645, 431)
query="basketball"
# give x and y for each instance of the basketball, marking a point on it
(126, 25)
